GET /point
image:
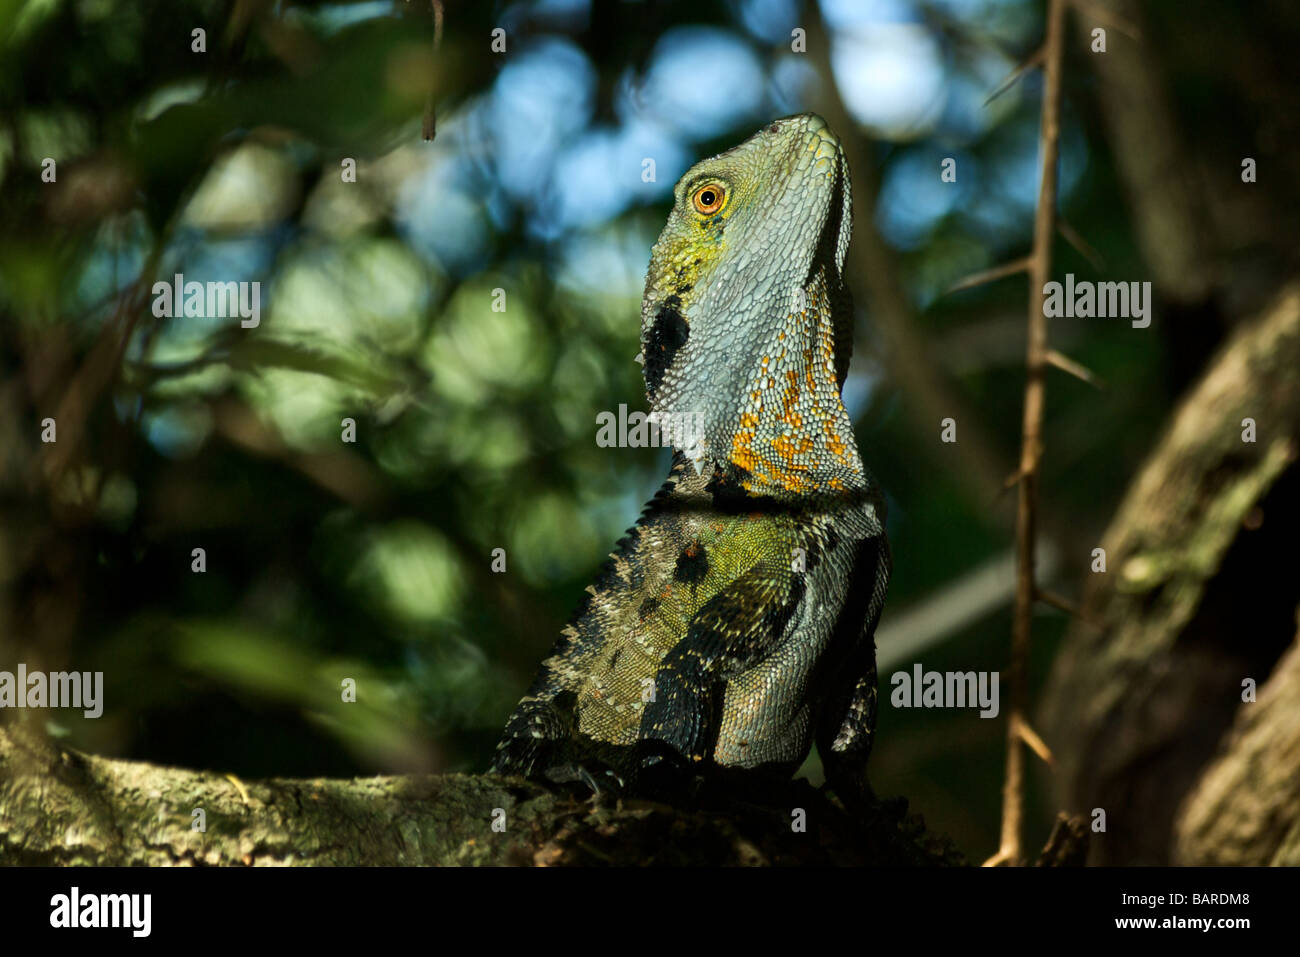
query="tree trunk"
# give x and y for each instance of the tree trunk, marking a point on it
(1246, 807)
(1196, 598)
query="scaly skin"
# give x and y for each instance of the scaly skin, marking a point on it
(734, 624)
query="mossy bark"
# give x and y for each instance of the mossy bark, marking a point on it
(1199, 594)
(59, 806)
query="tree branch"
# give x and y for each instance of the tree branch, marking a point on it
(1036, 361)
(1243, 809)
(1192, 601)
(61, 807)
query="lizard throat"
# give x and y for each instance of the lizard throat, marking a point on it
(794, 436)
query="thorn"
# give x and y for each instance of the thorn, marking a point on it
(1036, 744)
(1011, 482)
(239, 786)
(998, 859)
(989, 275)
(429, 125)
(1108, 17)
(1067, 606)
(1080, 244)
(1056, 601)
(1068, 365)
(1035, 59)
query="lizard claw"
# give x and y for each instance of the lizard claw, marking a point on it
(599, 782)
(665, 774)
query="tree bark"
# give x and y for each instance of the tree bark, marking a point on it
(1196, 597)
(1246, 807)
(60, 807)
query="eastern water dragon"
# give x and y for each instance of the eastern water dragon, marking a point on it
(733, 625)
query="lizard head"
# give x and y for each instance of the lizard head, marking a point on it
(746, 324)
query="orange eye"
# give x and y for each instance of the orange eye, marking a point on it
(708, 199)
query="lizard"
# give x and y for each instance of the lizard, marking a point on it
(733, 626)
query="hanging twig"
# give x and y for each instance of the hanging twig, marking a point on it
(1036, 361)
(430, 125)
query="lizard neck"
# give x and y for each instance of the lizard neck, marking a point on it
(794, 437)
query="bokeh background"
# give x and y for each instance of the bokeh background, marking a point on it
(476, 428)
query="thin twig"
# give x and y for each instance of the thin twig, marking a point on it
(989, 275)
(1040, 264)
(1011, 482)
(1084, 248)
(1076, 369)
(430, 125)
(1070, 608)
(1059, 602)
(1034, 59)
(1036, 744)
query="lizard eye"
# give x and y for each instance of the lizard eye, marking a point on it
(708, 199)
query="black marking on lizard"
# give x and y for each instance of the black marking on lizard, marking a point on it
(668, 334)
(692, 564)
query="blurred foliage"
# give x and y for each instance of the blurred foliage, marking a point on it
(475, 428)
